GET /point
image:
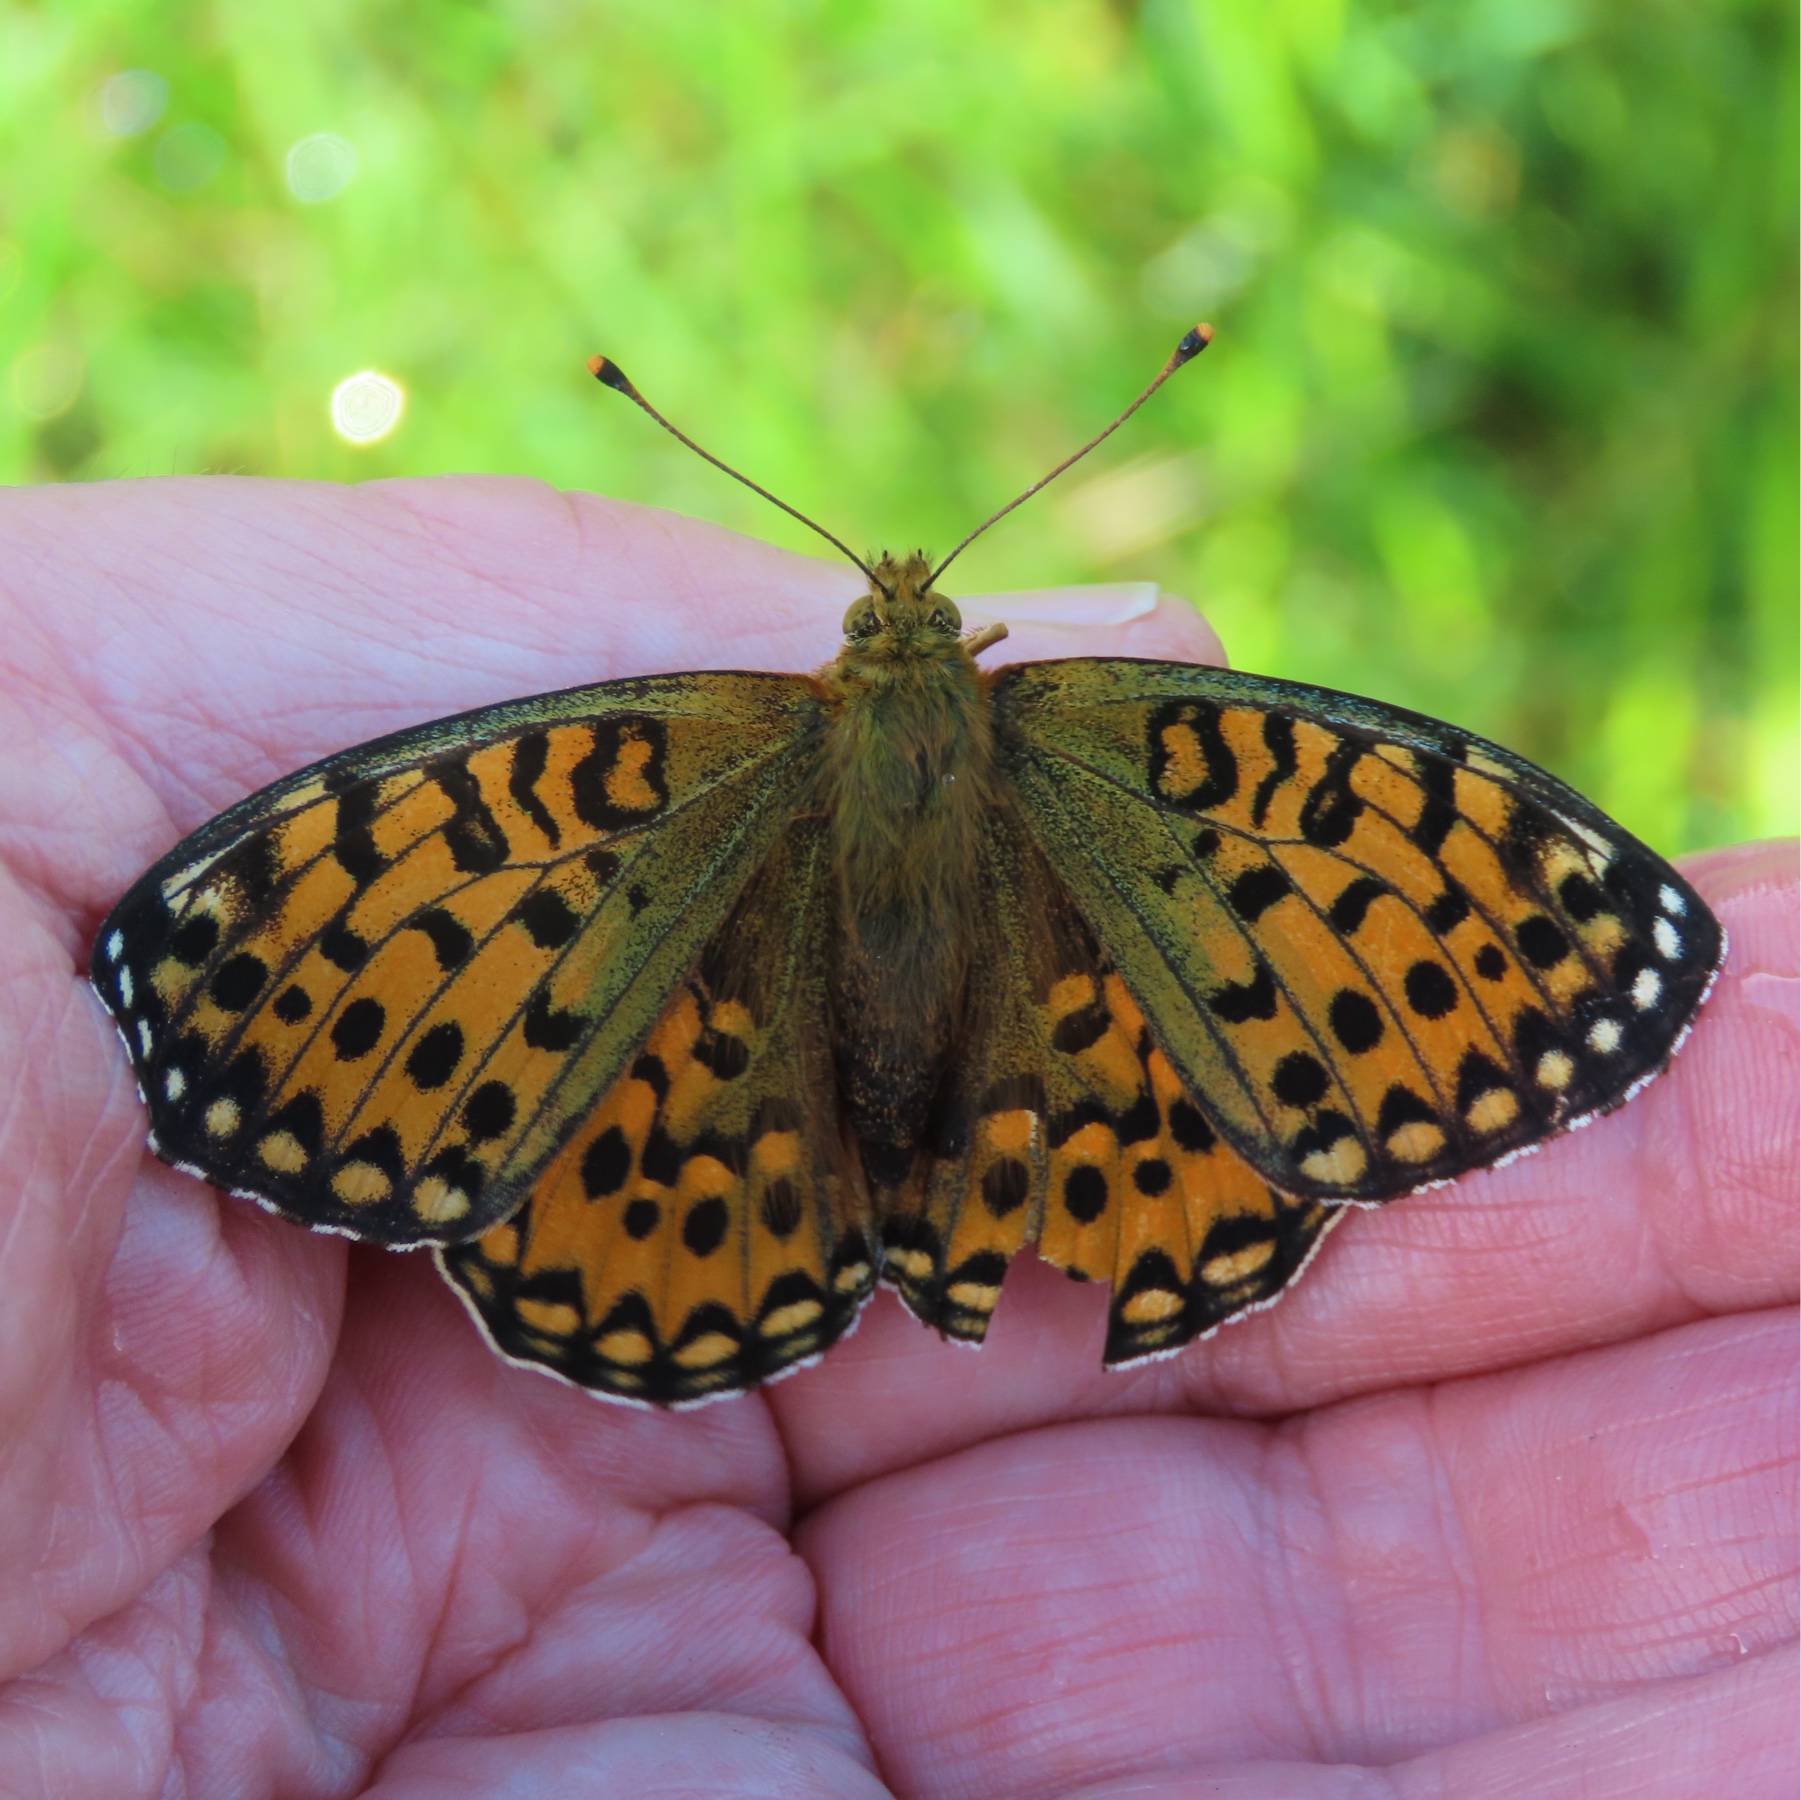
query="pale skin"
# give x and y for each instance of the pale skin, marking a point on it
(1500, 1500)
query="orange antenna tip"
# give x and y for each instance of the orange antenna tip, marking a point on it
(609, 374)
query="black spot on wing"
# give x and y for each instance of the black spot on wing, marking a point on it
(606, 1163)
(1256, 891)
(1352, 906)
(1241, 1001)
(548, 1027)
(530, 753)
(472, 834)
(549, 920)
(1330, 812)
(345, 948)
(1438, 813)
(194, 939)
(354, 841)
(451, 940)
(1448, 911)
(1278, 739)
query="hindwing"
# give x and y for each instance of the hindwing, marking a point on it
(1065, 1125)
(380, 995)
(702, 1231)
(1380, 951)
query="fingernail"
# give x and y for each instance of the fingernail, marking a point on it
(1107, 603)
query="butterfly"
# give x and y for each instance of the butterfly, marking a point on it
(677, 1012)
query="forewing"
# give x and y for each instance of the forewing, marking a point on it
(1381, 950)
(1064, 1124)
(379, 995)
(698, 1234)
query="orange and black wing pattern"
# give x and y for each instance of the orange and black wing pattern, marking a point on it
(1378, 951)
(703, 1231)
(1066, 1126)
(380, 995)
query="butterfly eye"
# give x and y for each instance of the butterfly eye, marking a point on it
(860, 625)
(945, 618)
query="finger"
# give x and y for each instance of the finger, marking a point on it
(154, 1359)
(469, 1550)
(1361, 1585)
(668, 1758)
(1678, 1205)
(1727, 1733)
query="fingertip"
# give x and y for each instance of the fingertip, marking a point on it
(1111, 619)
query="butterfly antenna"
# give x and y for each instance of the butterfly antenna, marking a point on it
(1185, 352)
(609, 374)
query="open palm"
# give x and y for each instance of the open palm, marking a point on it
(1500, 1501)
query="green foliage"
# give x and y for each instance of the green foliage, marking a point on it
(1500, 423)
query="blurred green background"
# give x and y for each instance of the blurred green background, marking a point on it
(1500, 423)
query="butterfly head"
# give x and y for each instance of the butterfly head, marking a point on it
(902, 616)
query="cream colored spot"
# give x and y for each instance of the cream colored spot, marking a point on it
(977, 1296)
(1593, 839)
(222, 1118)
(126, 990)
(1400, 756)
(1241, 1265)
(115, 945)
(797, 1315)
(1554, 1070)
(1488, 765)
(1647, 987)
(1603, 934)
(1663, 934)
(912, 1263)
(851, 1277)
(361, 1184)
(283, 1152)
(1151, 1307)
(1493, 1111)
(1604, 1035)
(629, 1347)
(175, 1084)
(776, 1153)
(437, 1202)
(1415, 1141)
(1011, 1133)
(556, 1318)
(146, 1038)
(709, 1348)
(1340, 1163)
(1671, 901)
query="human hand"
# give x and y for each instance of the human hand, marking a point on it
(1499, 1500)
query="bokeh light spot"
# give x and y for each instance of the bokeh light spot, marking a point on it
(366, 407)
(132, 101)
(320, 167)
